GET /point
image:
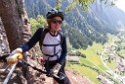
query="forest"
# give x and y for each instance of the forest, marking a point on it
(91, 25)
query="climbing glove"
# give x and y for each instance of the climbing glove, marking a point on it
(14, 56)
(56, 68)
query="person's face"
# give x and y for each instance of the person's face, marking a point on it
(56, 24)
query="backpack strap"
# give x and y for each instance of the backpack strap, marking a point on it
(62, 37)
(45, 30)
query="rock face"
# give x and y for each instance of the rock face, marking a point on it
(4, 45)
(4, 49)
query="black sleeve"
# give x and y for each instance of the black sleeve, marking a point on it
(64, 51)
(35, 38)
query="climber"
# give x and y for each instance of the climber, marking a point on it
(52, 44)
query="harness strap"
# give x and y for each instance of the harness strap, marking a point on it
(51, 44)
(55, 54)
(44, 31)
(47, 66)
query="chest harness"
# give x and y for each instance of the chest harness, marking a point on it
(54, 46)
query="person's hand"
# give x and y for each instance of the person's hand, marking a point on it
(14, 56)
(56, 68)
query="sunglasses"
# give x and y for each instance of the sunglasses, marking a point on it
(56, 21)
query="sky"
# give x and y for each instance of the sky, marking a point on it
(120, 4)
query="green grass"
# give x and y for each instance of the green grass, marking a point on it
(85, 61)
(112, 65)
(91, 51)
(123, 44)
(87, 72)
(122, 52)
(102, 67)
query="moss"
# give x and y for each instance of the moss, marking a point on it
(20, 10)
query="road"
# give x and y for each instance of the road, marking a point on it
(120, 78)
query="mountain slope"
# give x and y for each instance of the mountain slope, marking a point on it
(92, 25)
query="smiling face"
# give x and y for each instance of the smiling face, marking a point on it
(55, 24)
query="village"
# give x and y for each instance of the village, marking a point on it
(110, 54)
